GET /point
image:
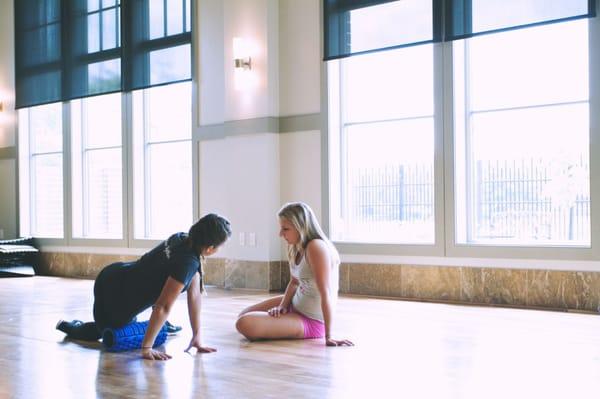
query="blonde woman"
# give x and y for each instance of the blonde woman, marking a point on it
(306, 308)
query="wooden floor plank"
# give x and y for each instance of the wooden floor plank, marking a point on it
(403, 350)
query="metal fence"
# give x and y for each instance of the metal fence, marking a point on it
(525, 199)
(401, 193)
(532, 199)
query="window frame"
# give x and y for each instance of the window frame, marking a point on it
(128, 244)
(356, 248)
(84, 185)
(143, 144)
(446, 250)
(24, 163)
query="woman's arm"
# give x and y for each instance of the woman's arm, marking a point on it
(318, 257)
(194, 302)
(290, 290)
(160, 312)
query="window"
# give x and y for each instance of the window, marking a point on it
(382, 159)
(505, 84)
(41, 171)
(162, 155)
(97, 167)
(86, 58)
(522, 137)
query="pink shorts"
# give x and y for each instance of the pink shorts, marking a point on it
(312, 328)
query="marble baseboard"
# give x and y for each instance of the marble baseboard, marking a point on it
(226, 273)
(564, 290)
(77, 264)
(567, 290)
(255, 275)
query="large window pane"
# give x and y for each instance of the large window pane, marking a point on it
(102, 120)
(47, 195)
(497, 14)
(170, 188)
(162, 156)
(96, 166)
(389, 182)
(103, 193)
(93, 32)
(104, 76)
(162, 122)
(383, 148)
(175, 19)
(170, 64)
(41, 171)
(551, 66)
(365, 34)
(45, 128)
(389, 85)
(352, 27)
(156, 11)
(522, 137)
(110, 29)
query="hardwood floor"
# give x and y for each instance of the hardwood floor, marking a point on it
(403, 350)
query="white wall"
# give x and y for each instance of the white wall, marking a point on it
(210, 62)
(300, 57)
(239, 178)
(248, 177)
(7, 74)
(8, 203)
(8, 189)
(255, 21)
(301, 169)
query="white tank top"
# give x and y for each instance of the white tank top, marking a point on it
(307, 299)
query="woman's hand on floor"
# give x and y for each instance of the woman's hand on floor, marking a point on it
(151, 354)
(338, 342)
(195, 343)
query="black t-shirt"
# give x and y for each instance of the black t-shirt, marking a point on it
(130, 288)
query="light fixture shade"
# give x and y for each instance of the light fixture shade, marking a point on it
(241, 53)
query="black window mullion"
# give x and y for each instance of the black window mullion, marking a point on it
(165, 42)
(459, 18)
(184, 15)
(66, 50)
(101, 28)
(165, 18)
(99, 56)
(40, 68)
(117, 24)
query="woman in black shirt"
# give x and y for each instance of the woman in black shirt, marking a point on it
(123, 290)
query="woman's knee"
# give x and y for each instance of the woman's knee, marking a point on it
(246, 326)
(243, 312)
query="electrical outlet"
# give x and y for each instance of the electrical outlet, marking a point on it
(252, 239)
(242, 239)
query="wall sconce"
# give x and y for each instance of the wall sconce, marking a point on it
(241, 54)
(244, 63)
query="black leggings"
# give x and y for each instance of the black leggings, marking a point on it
(103, 318)
(86, 332)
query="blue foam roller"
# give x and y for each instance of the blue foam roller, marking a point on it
(130, 337)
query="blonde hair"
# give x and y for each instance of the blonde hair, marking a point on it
(305, 222)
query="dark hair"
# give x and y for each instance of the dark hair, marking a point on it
(211, 230)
